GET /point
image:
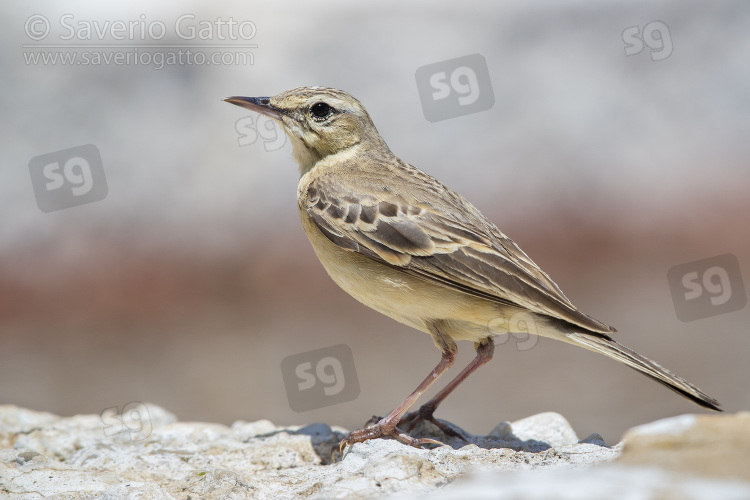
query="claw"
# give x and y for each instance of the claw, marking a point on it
(383, 429)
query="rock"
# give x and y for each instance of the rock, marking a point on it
(594, 439)
(50, 455)
(550, 428)
(26, 456)
(709, 445)
(605, 482)
(145, 453)
(693, 457)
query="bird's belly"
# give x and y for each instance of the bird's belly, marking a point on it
(405, 298)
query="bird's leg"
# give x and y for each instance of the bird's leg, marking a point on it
(485, 349)
(387, 425)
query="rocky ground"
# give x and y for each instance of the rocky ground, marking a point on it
(146, 453)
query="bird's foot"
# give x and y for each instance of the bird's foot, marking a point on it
(381, 429)
(425, 413)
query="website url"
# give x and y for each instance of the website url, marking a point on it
(135, 57)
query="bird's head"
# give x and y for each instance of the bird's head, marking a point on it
(319, 121)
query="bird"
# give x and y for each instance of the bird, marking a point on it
(402, 243)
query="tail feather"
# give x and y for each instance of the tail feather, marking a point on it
(605, 345)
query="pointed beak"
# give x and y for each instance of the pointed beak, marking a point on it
(260, 105)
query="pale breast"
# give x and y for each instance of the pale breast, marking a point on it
(407, 299)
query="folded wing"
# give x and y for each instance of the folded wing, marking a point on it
(456, 248)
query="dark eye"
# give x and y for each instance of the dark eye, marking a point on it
(320, 110)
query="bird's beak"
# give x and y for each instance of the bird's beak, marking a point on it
(260, 105)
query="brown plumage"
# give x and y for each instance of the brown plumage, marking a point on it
(401, 242)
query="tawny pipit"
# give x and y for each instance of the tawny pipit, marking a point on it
(407, 246)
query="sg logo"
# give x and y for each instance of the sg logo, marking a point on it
(655, 36)
(320, 378)
(519, 325)
(134, 420)
(707, 287)
(68, 178)
(463, 81)
(456, 87)
(264, 127)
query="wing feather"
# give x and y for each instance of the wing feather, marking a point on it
(457, 248)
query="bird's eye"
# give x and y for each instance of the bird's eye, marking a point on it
(320, 110)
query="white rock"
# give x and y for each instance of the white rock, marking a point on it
(673, 425)
(609, 482)
(550, 428)
(43, 455)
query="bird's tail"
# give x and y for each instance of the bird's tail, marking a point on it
(605, 345)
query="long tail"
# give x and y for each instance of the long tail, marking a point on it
(605, 345)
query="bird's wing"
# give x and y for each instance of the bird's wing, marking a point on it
(456, 247)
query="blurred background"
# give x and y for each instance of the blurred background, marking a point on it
(190, 282)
